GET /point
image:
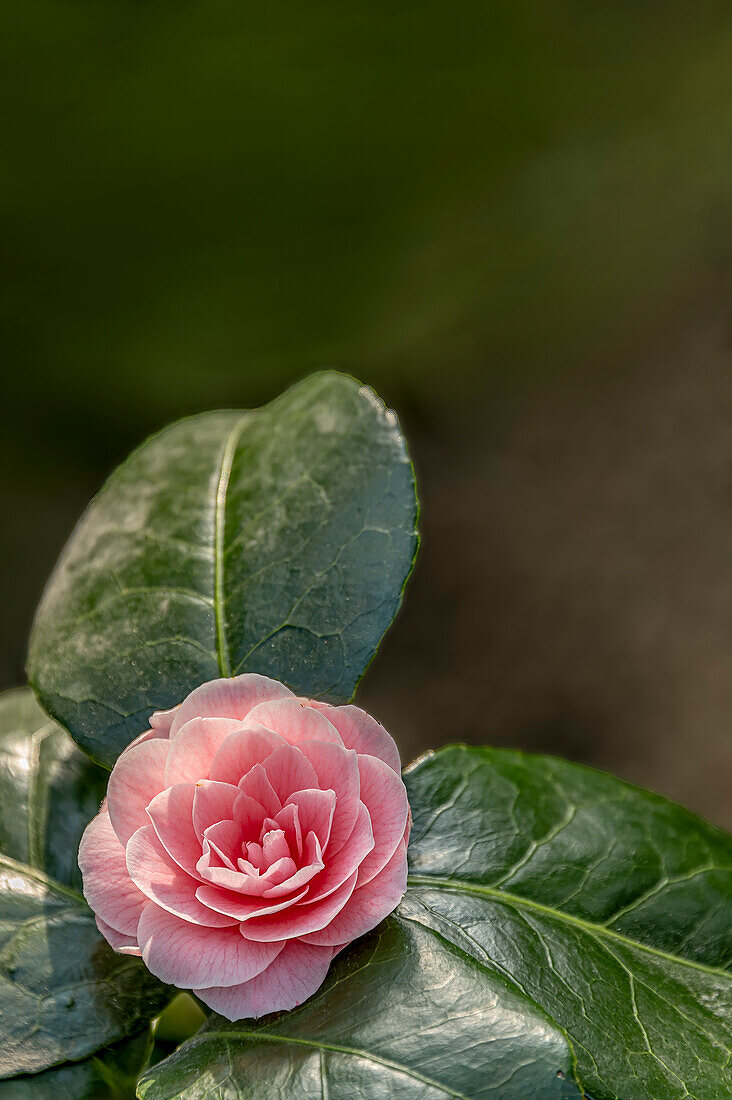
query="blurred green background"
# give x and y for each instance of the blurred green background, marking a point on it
(512, 219)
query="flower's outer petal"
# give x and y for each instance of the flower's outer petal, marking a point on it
(186, 954)
(295, 721)
(347, 859)
(299, 920)
(242, 907)
(148, 735)
(171, 813)
(122, 944)
(337, 770)
(228, 698)
(136, 778)
(108, 888)
(241, 751)
(297, 972)
(361, 732)
(290, 770)
(213, 802)
(164, 882)
(161, 721)
(385, 796)
(257, 786)
(368, 905)
(194, 747)
(315, 810)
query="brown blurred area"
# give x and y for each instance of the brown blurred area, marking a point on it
(514, 221)
(574, 590)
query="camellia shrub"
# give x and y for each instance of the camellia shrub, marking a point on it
(189, 800)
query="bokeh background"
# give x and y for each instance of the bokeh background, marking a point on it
(512, 219)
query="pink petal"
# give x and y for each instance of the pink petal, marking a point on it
(122, 944)
(228, 698)
(229, 878)
(295, 721)
(250, 815)
(213, 802)
(256, 784)
(299, 920)
(136, 778)
(385, 796)
(243, 880)
(241, 907)
(108, 888)
(164, 882)
(297, 972)
(337, 770)
(289, 819)
(289, 770)
(161, 721)
(171, 813)
(279, 871)
(315, 810)
(194, 748)
(361, 732)
(241, 751)
(148, 735)
(347, 859)
(186, 955)
(368, 905)
(224, 839)
(274, 846)
(312, 866)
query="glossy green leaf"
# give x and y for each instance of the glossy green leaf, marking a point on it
(563, 934)
(275, 541)
(49, 790)
(64, 993)
(110, 1074)
(609, 907)
(403, 1014)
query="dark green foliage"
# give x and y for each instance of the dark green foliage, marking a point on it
(275, 541)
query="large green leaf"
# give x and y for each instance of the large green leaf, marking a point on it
(64, 993)
(403, 1015)
(274, 541)
(563, 934)
(609, 907)
(110, 1074)
(49, 790)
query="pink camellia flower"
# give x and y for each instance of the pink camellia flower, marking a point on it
(246, 838)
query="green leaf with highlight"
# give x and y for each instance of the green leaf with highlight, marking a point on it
(275, 541)
(64, 994)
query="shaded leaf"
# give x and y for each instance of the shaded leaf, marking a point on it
(110, 1074)
(63, 992)
(49, 790)
(275, 541)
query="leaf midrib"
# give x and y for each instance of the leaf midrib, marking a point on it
(336, 1048)
(36, 832)
(227, 461)
(590, 927)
